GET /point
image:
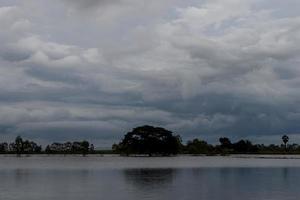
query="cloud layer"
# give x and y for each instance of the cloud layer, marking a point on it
(95, 69)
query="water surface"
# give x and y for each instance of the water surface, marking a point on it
(183, 177)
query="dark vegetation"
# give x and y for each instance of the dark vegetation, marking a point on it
(29, 147)
(152, 141)
(83, 148)
(226, 147)
(149, 140)
(20, 146)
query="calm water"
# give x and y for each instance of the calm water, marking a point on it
(184, 178)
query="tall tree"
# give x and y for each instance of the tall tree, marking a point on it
(197, 146)
(149, 140)
(19, 145)
(85, 147)
(225, 143)
(285, 140)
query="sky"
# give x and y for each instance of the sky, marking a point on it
(95, 69)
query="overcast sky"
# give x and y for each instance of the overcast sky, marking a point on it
(94, 69)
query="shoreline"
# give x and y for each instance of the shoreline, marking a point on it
(240, 156)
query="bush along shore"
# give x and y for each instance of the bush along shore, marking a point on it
(152, 141)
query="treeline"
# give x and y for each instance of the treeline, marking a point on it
(83, 147)
(226, 147)
(20, 146)
(149, 140)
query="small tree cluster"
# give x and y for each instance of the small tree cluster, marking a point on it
(20, 146)
(83, 147)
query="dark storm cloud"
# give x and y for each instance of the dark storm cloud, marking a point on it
(202, 69)
(14, 56)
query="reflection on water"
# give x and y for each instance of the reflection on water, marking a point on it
(214, 183)
(148, 183)
(205, 183)
(147, 178)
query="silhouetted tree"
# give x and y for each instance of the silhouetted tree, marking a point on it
(244, 146)
(85, 147)
(225, 143)
(47, 149)
(285, 140)
(19, 145)
(116, 148)
(92, 149)
(149, 140)
(3, 147)
(198, 147)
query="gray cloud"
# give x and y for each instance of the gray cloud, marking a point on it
(202, 69)
(91, 3)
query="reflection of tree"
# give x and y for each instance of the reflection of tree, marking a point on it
(285, 173)
(149, 178)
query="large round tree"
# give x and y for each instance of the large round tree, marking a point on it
(151, 141)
